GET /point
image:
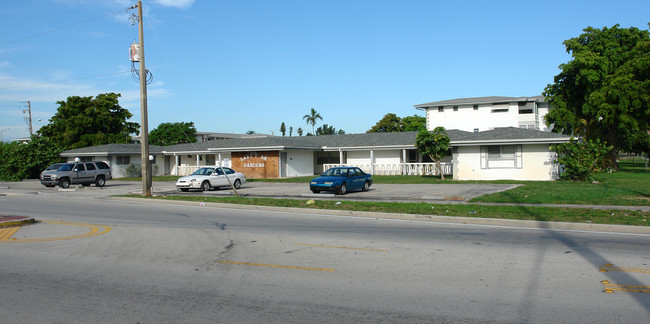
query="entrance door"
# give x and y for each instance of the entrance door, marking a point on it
(283, 164)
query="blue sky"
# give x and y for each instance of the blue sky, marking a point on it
(234, 66)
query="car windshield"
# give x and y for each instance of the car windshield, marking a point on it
(335, 172)
(67, 167)
(54, 167)
(203, 171)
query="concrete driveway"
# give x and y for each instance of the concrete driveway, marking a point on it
(452, 192)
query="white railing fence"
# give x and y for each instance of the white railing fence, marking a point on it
(185, 170)
(428, 168)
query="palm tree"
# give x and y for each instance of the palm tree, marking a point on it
(311, 119)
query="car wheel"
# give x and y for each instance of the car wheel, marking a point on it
(184, 189)
(205, 186)
(315, 191)
(100, 182)
(237, 184)
(366, 186)
(343, 189)
(64, 183)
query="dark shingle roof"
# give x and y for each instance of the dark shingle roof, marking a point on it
(398, 140)
(113, 149)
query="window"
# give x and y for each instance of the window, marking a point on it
(501, 152)
(122, 159)
(90, 167)
(475, 107)
(102, 165)
(499, 107)
(455, 108)
(475, 130)
(80, 167)
(526, 107)
(441, 109)
(501, 156)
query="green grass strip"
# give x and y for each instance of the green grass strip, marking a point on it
(551, 214)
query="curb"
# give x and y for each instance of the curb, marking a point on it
(605, 228)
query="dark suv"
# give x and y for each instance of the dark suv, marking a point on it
(84, 173)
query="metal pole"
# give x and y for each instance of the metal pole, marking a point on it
(29, 108)
(144, 129)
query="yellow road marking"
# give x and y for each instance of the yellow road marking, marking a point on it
(94, 230)
(610, 287)
(609, 267)
(276, 266)
(6, 233)
(340, 247)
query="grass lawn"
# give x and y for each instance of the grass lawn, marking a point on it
(575, 215)
(630, 186)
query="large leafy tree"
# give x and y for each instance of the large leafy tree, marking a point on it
(311, 119)
(25, 161)
(435, 144)
(414, 123)
(87, 121)
(389, 123)
(603, 92)
(173, 133)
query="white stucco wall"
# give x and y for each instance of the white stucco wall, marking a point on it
(468, 119)
(118, 170)
(300, 163)
(380, 156)
(536, 165)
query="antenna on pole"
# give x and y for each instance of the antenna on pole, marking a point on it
(28, 117)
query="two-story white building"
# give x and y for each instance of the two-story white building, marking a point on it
(486, 113)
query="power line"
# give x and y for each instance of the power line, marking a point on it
(61, 28)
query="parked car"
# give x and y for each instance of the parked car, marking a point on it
(207, 178)
(84, 173)
(341, 179)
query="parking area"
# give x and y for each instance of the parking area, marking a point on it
(452, 192)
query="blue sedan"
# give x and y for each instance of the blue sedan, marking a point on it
(341, 179)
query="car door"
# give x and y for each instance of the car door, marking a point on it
(218, 179)
(91, 171)
(354, 180)
(79, 173)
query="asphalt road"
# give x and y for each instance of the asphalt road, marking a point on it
(145, 262)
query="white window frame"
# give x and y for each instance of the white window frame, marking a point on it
(503, 159)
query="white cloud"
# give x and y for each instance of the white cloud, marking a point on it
(183, 4)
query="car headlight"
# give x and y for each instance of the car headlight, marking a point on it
(313, 182)
(193, 181)
(327, 183)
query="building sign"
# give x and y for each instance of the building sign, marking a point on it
(253, 156)
(257, 165)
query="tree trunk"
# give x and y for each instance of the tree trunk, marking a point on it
(439, 167)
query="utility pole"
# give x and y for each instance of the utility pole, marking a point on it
(144, 128)
(28, 118)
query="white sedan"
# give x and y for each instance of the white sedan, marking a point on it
(211, 177)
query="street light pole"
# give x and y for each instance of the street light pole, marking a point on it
(144, 128)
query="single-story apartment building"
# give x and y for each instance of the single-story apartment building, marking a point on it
(500, 153)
